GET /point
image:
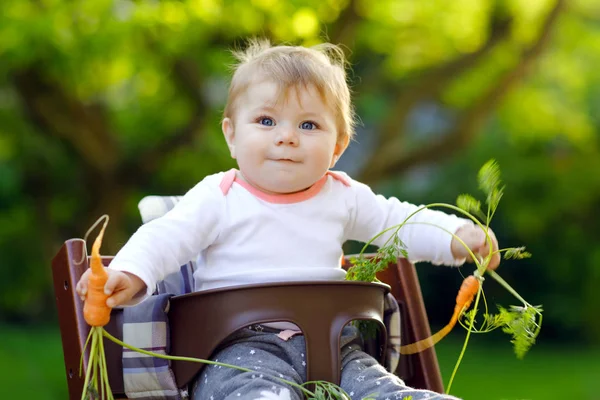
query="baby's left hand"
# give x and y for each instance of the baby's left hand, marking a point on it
(474, 237)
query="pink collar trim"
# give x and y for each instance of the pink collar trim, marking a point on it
(231, 176)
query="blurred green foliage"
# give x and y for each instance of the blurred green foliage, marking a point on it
(105, 101)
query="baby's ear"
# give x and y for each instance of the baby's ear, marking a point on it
(340, 147)
(229, 133)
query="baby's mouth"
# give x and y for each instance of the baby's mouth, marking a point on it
(285, 160)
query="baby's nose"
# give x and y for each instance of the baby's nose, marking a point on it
(286, 136)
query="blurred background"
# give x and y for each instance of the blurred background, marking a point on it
(103, 102)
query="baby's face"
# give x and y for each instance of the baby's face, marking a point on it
(282, 146)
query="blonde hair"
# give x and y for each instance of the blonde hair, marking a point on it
(322, 66)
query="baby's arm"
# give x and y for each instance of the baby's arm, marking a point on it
(161, 246)
(424, 240)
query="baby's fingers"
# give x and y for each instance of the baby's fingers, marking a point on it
(114, 283)
(494, 262)
(474, 239)
(82, 285)
(485, 251)
(118, 298)
(118, 287)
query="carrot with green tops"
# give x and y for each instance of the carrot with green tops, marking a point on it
(95, 310)
(97, 314)
(464, 298)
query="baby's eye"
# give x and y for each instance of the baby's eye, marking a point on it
(308, 125)
(266, 121)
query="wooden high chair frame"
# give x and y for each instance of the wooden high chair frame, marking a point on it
(420, 370)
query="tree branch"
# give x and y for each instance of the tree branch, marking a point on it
(189, 82)
(343, 30)
(473, 119)
(430, 84)
(57, 113)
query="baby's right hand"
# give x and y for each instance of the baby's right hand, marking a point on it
(121, 286)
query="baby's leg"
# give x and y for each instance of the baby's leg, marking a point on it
(362, 375)
(267, 355)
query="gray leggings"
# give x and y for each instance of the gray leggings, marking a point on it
(271, 357)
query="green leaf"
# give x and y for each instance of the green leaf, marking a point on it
(489, 181)
(471, 205)
(324, 390)
(488, 177)
(468, 315)
(516, 253)
(522, 324)
(492, 321)
(494, 199)
(365, 269)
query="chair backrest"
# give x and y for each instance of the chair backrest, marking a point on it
(420, 370)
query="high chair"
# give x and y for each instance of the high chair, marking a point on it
(321, 309)
(320, 318)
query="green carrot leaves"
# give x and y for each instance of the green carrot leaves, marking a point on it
(516, 253)
(522, 324)
(365, 269)
(489, 181)
(471, 205)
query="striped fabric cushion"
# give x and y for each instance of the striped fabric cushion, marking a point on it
(146, 326)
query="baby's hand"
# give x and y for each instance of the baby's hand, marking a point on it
(122, 286)
(474, 237)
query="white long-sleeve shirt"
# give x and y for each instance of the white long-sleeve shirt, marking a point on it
(246, 236)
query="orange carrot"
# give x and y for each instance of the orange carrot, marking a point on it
(465, 296)
(95, 310)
